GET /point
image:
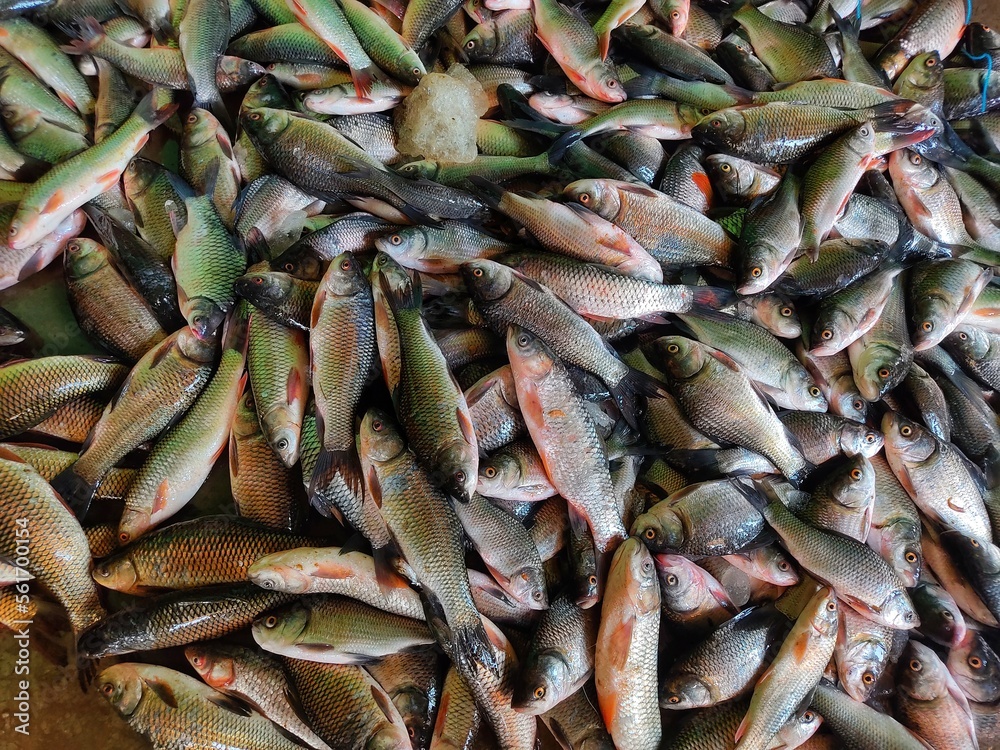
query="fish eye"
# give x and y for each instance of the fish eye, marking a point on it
(946, 613)
(808, 716)
(673, 348)
(592, 580)
(192, 119)
(471, 44)
(647, 565)
(671, 580)
(411, 732)
(869, 438)
(975, 662)
(345, 264)
(906, 430)
(477, 272)
(916, 159)
(725, 168)
(856, 474)
(197, 661)
(271, 621)
(814, 392)
(282, 444)
(859, 405)
(255, 116)
(650, 534)
(786, 312)
(377, 425)
(675, 14)
(716, 123)
(927, 326)
(831, 606)
(826, 334)
(612, 84)
(460, 477)
(258, 280)
(963, 335)
(539, 692)
(103, 571)
(289, 267)
(124, 537)
(489, 472)
(108, 688)
(883, 372)
(783, 565)
(267, 583)
(584, 198)
(523, 340)
(915, 665)
(673, 700)
(415, 71)
(756, 272)
(974, 542)
(868, 678)
(931, 62)
(911, 558)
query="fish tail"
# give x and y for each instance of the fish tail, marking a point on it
(75, 491)
(387, 564)
(696, 461)
(562, 144)
(711, 298)
(627, 390)
(157, 106)
(88, 34)
(471, 645)
(604, 42)
(364, 79)
(488, 191)
(256, 245)
(336, 467)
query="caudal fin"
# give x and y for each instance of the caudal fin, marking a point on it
(336, 472)
(627, 390)
(388, 560)
(75, 491)
(88, 32)
(706, 298)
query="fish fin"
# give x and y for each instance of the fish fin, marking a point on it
(374, 486)
(711, 298)
(88, 33)
(634, 384)
(75, 491)
(465, 424)
(488, 191)
(160, 499)
(230, 703)
(363, 78)
(384, 703)
(604, 43)
(217, 107)
(86, 668)
(387, 568)
(562, 144)
(161, 690)
(255, 243)
(156, 107)
(405, 298)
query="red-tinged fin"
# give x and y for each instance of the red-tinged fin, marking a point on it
(295, 387)
(317, 308)
(161, 497)
(331, 464)
(38, 260)
(54, 203)
(374, 486)
(90, 34)
(465, 424)
(163, 350)
(161, 690)
(387, 569)
(744, 726)
(859, 606)
(234, 458)
(230, 703)
(711, 297)
(603, 43)
(8, 455)
(384, 704)
(363, 80)
(704, 185)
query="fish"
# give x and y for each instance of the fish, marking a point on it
(859, 724)
(415, 684)
(168, 706)
(458, 717)
(626, 648)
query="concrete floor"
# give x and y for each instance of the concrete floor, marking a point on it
(62, 717)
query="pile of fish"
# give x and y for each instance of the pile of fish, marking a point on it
(629, 367)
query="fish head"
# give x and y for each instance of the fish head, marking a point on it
(139, 175)
(981, 39)
(562, 108)
(238, 72)
(414, 706)
(200, 127)
(633, 560)
(720, 129)
(345, 277)
(381, 440)
(674, 14)
(499, 474)
(979, 554)
(771, 564)
(906, 439)
(283, 435)
(880, 368)
(528, 586)
(802, 390)
(976, 668)
(457, 461)
(602, 82)
(681, 357)
(122, 687)
(760, 265)
(266, 91)
(733, 175)
(921, 675)
(545, 680)
(133, 524)
(274, 576)
(685, 691)
(411, 68)
(326, 97)
(217, 669)
(859, 439)
(283, 627)
(924, 73)
(860, 664)
(599, 196)
(798, 729)
(845, 400)
(776, 313)
(245, 422)
(118, 573)
(265, 123)
(530, 358)
(681, 584)
(853, 485)
(407, 242)
(481, 42)
(83, 257)
(932, 317)
(968, 342)
(660, 528)
(832, 331)
(909, 168)
(299, 261)
(487, 280)
(261, 288)
(901, 548)
(204, 318)
(940, 617)
(898, 611)
(425, 169)
(388, 735)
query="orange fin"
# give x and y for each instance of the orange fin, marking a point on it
(162, 495)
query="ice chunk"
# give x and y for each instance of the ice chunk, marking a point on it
(438, 120)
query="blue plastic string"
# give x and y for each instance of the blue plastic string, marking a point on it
(982, 56)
